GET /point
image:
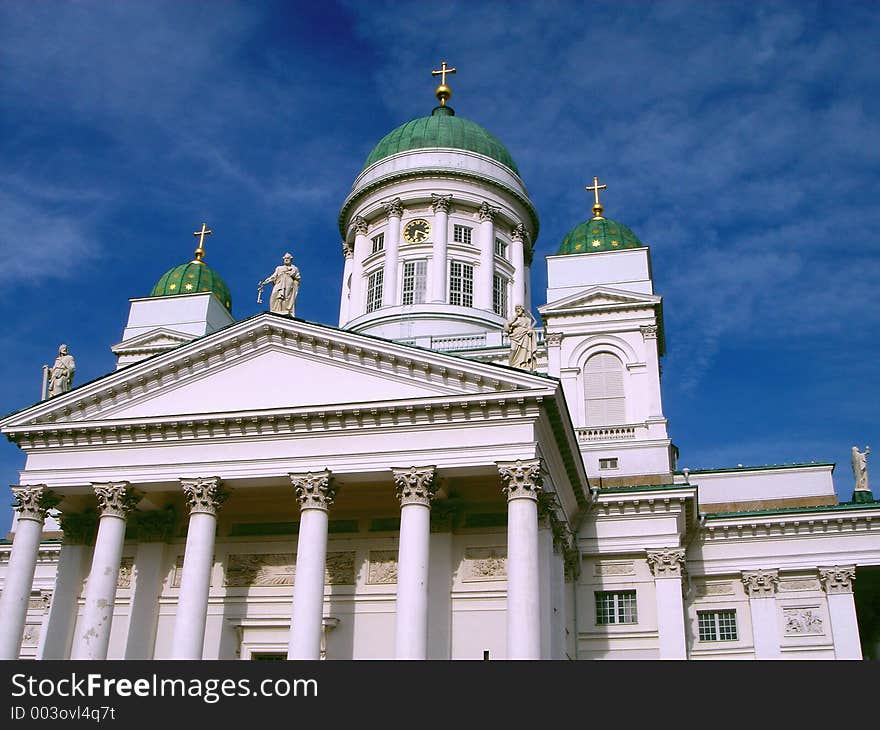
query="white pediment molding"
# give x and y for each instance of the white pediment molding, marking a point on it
(155, 340)
(244, 366)
(600, 298)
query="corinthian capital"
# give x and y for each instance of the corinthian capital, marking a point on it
(415, 484)
(347, 250)
(760, 583)
(649, 331)
(522, 479)
(116, 499)
(440, 202)
(204, 495)
(360, 225)
(394, 207)
(487, 212)
(314, 489)
(553, 339)
(838, 579)
(32, 502)
(519, 232)
(667, 562)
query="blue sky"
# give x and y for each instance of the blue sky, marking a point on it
(739, 140)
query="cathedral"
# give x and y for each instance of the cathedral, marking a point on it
(438, 474)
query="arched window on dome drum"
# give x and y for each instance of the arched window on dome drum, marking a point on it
(603, 388)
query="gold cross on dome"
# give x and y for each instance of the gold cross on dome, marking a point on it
(200, 251)
(595, 188)
(443, 92)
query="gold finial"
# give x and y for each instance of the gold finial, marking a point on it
(200, 251)
(596, 187)
(443, 92)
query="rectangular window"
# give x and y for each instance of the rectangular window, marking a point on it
(499, 295)
(608, 463)
(415, 275)
(378, 243)
(500, 248)
(374, 290)
(717, 625)
(616, 607)
(461, 284)
(461, 234)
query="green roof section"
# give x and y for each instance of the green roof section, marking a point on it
(764, 467)
(598, 234)
(192, 278)
(842, 507)
(441, 129)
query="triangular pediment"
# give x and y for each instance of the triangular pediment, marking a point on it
(273, 362)
(599, 298)
(160, 338)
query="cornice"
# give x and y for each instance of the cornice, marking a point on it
(300, 421)
(807, 524)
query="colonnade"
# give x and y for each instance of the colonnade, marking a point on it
(315, 491)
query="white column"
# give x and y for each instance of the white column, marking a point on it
(439, 263)
(356, 302)
(31, 504)
(522, 482)
(394, 209)
(652, 360)
(316, 493)
(486, 271)
(517, 258)
(837, 581)
(761, 588)
(73, 561)
(545, 590)
(204, 496)
(348, 254)
(667, 566)
(154, 527)
(115, 501)
(415, 489)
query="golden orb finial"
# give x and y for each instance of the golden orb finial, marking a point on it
(200, 251)
(595, 188)
(443, 92)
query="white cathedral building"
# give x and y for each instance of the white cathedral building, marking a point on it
(393, 487)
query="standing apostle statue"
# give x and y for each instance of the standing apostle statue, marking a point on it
(285, 280)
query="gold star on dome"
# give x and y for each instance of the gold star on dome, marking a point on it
(615, 243)
(579, 247)
(188, 287)
(172, 287)
(597, 243)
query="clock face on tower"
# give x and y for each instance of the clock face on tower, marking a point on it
(417, 231)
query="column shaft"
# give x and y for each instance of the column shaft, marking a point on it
(308, 591)
(17, 587)
(100, 600)
(523, 598)
(670, 618)
(486, 271)
(195, 585)
(517, 258)
(411, 632)
(761, 588)
(440, 263)
(347, 285)
(57, 640)
(356, 303)
(392, 254)
(837, 582)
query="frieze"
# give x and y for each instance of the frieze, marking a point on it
(799, 584)
(340, 568)
(383, 567)
(803, 621)
(485, 563)
(259, 569)
(714, 589)
(31, 635)
(126, 570)
(624, 567)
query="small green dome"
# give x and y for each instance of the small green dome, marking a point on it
(598, 234)
(191, 278)
(441, 129)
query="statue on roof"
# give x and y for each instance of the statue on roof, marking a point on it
(520, 329)
(860, 468)
(285, 280)
(59, 378)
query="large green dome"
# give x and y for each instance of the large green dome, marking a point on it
(191, 278)
(441, 129)
(598, 234)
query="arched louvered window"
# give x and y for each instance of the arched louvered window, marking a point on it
(603, 386)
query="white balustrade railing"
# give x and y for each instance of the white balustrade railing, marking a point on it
(608, 433)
